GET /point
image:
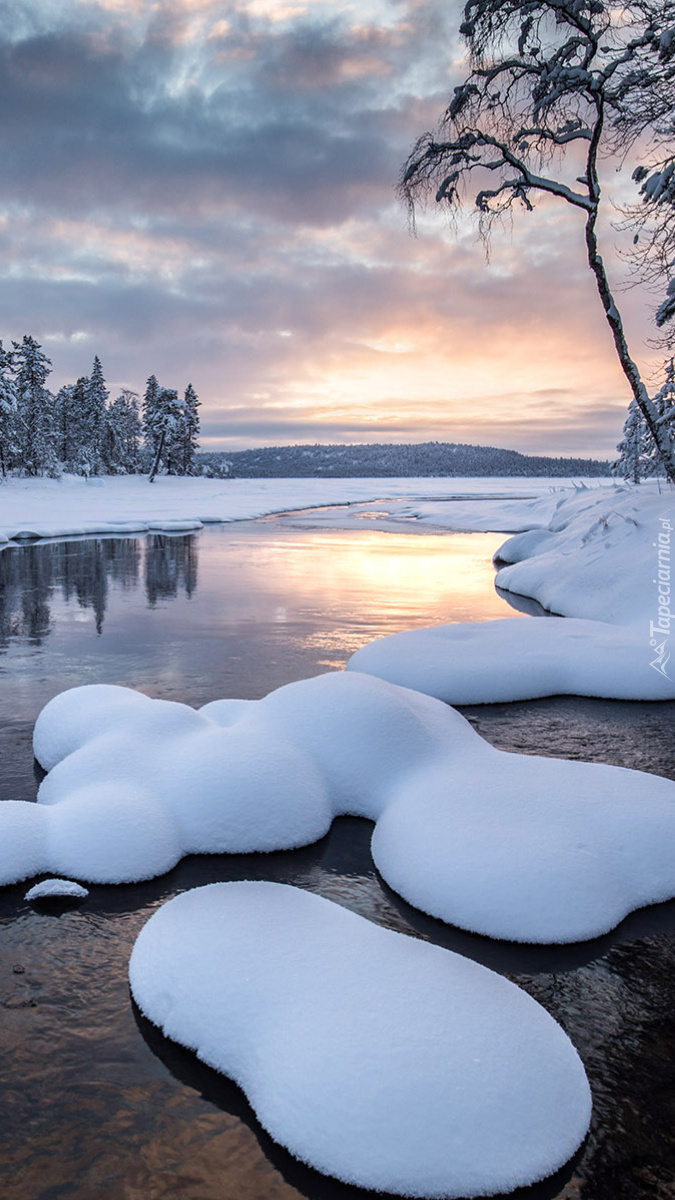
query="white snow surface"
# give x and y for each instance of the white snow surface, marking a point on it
(377, 1058)
(513, 846)
(598, 558)
(55, 888)
(490, 662)
(125, 504)
(606, 562)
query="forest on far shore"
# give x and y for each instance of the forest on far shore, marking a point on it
(413, 459)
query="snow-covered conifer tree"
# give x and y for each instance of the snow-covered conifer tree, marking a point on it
(124, 434)
(151, 424)
(638, 455)
(630, 463)
(35, 408)
(63, 426)
(190, 430)
(95, 400)
(9, 434)
(80, 447)
(167, 420)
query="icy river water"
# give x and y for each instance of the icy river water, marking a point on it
(96, 1105)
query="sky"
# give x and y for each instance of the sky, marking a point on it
(207, 192)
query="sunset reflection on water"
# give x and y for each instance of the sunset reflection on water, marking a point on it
(349, 588)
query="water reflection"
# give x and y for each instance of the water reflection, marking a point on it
(393, 579)
(170, 566)
(33, 577)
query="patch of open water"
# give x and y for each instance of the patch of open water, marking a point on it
(96, 1103)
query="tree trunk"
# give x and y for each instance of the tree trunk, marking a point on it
(155, 465)
(630, 370)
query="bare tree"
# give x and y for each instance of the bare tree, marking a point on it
(552, 84)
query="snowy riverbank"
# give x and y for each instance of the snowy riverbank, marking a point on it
(126, 503)
(604, 557)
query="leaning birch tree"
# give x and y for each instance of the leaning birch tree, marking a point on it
(551, 86)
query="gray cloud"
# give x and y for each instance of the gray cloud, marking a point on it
(296, 123)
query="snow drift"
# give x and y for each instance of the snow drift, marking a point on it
(489, 662)
(599, 557)
(512, 846)
(456, 1084)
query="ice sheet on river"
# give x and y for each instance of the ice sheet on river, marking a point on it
(377, 1058)
(489, 662)
(516, 847)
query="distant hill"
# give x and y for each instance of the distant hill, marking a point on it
(418, 458)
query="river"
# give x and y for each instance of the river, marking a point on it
(96, 1103)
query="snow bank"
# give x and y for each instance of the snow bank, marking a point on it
(56, 888)
(604, 562)
(599, 557)
(72, 505)
(497, 661)
(455, 1084)
(516, 847)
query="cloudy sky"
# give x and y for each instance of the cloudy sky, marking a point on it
(206, 191)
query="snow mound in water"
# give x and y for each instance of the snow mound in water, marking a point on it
(513, 846)
(494, 661)
(51, 888)
(376, 1058)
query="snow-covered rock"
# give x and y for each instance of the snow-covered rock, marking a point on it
(488, 662)
(51, 889)
(512, 846)
(379, 1059)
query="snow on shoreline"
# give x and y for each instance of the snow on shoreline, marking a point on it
(511, 846)
(456, 1084)
(604, 562)
(603, 557)
(73, 506)
(493, 662)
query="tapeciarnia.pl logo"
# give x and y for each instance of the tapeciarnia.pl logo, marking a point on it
(662, 626)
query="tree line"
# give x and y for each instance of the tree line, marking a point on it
(401, 460)
(79, 430)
